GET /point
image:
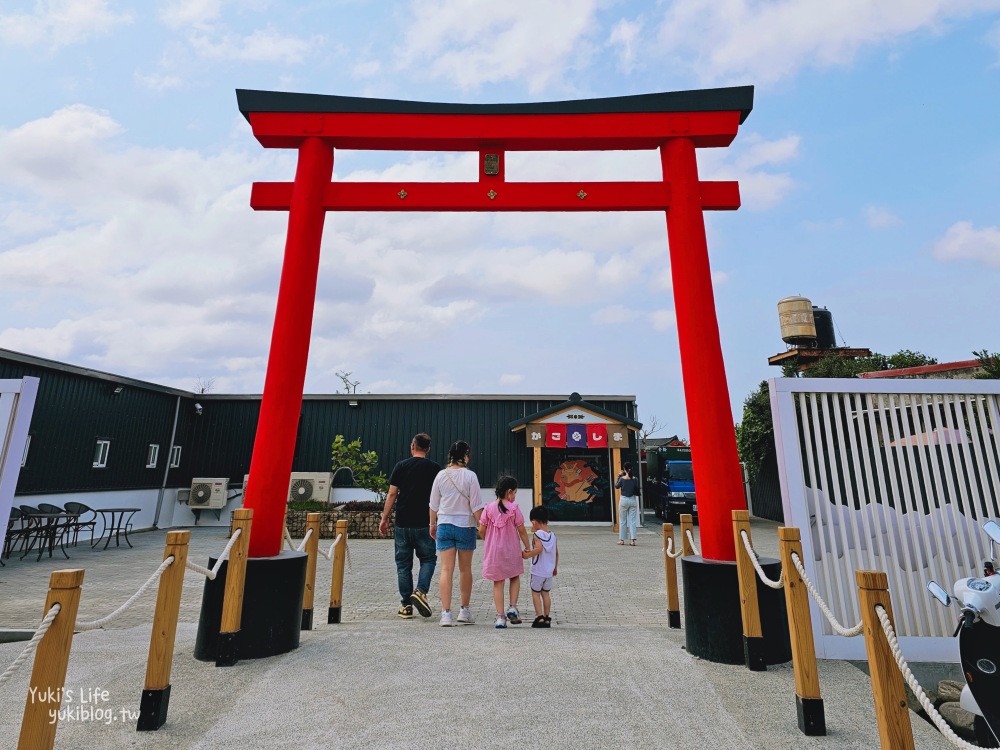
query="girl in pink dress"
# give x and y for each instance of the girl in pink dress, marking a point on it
(502, 527)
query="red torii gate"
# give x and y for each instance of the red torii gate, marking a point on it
(675, 123)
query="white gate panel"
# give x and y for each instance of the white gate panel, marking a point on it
(892, 475)
(17, 401)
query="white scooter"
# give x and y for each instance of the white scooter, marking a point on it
(978, 634)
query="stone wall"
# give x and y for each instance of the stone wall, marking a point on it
(361, 524)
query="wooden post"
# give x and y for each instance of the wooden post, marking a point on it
(616, 467)
(312, 547)
(808, 703)
(670, 566)
(48, 675)
(687, 524)
(155, 699)
(337, 582)
(232, 602)
(537, 460)
(891, 711)
(753, 636)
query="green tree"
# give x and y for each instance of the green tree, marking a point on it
(362, 464)
(755, 432)
(990, 362)
(832, 366)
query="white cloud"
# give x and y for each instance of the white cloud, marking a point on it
(613, 315)
(158, 82)
(509, 379)
(880, 217)
(763, 42)
(963, 242)
(750, 161)
(662, 320)
(470, 43)
(440, 386)
(367, 69)
(180, 13)
(259, 46)
(624, 36)
(59, 23)
(993, 38)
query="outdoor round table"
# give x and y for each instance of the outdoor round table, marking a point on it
(116, 521)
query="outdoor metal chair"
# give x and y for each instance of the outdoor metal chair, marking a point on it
(17, 531)
(47, 529)
(82, 521)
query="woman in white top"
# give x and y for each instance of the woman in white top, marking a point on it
(456, 504)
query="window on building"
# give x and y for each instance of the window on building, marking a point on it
(101, 453)
(175, 457)
(152, 456)
(24, 457)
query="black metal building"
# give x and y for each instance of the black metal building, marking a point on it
(212, 435)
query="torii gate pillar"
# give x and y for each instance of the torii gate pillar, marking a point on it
(706, 394)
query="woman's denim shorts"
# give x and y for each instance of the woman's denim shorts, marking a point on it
(455, 537)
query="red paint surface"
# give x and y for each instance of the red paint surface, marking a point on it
(417, 132)
(274, 445)
(706, 394)
(508, 196)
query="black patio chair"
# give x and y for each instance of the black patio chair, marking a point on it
(82, 520)
(34, 528)
(17, 529)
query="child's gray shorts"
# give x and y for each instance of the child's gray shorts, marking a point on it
(541, 583)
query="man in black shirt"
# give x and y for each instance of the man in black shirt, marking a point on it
(410, 491)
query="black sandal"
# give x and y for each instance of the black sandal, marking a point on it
(548, 622)
(539, 622)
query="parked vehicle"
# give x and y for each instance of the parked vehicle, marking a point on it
(670, 482)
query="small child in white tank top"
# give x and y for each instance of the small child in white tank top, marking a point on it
(544, 556)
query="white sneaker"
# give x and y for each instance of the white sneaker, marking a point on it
(446, 618)
(465, 617)
(501, 622)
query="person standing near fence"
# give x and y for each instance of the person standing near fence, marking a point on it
(410, 491)
(628, 506)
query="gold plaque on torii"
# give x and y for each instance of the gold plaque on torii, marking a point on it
(491, 164)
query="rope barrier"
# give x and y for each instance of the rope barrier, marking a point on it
(780, 583)
(302, 544)
(834, 623)
(670, 550)
(43, 628)
(694, 547)
(211, 574)
(918, 691)
(329, 555)
(96, 624)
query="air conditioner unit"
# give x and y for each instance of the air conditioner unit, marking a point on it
(310, 486)
(209, 493)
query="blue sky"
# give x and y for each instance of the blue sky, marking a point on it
(869, 172)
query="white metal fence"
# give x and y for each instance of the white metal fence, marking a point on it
(894, 475)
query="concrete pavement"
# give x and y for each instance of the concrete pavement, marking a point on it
(609, 673)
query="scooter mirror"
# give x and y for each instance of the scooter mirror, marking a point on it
(992, 529)
(939, 593)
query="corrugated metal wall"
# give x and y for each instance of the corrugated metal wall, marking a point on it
(75, 409)
(386, 426)
(71, 413)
